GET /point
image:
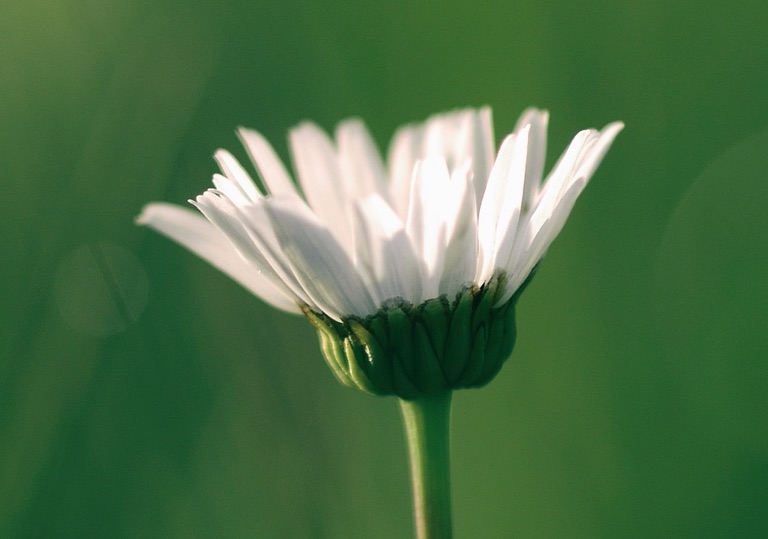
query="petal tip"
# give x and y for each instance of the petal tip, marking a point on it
(142, 218)
(149, 213)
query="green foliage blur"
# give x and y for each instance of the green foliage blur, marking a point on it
(143, 394)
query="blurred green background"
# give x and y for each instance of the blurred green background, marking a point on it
(636, 402)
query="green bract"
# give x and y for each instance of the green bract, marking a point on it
(414, 351)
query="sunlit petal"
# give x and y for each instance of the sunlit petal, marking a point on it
(384, 250)
(318, 261)
(317, 166)
(197, 234)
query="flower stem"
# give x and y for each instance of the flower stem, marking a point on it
(427, 422)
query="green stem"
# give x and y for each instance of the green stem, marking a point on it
(427, 431)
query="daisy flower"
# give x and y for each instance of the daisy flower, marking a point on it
(409, 268)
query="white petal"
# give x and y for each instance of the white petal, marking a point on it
(223, 214)
(501, 205)
(268, 164)
(195, 233)
(482, 150)
(318, 261)
(426, 225)
(404, 151)
(234, 171)
(385, 251)
(443, 136)
(563, 171)
(230, 189)
(253, 242)
(577, 164)
(510, 206)
(537, 150)
(490, 205)
(360, 160)
(450, 136)
(461, 230)
(598, 150)
(557, 200)
(458, 137)
(322, 182)
(536, 245)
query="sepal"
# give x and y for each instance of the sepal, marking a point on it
(415, 351)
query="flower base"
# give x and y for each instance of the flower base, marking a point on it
(416, 351)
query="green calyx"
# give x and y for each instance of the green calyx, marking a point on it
(414, 351)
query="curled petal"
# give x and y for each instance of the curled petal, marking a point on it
(318, 261)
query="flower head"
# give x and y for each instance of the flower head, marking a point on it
(409, 270)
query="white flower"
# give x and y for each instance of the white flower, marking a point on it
(440, 215)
